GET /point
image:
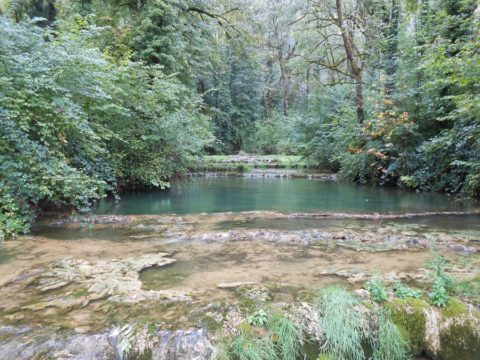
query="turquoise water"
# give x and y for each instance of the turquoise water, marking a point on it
(225, 194)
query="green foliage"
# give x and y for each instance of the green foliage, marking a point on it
(408, 315)
(469, 290)
(441, 281)
(288, 337)
(376, 288)
(271, 337)
(80, 119)
(402, 291)
(438, 294)
(273, 135)
(437, 269)
(245, 347)
(258, 318)
(233, 93)
(74, 126)
(343, 325)
(388, 343)
(324, 134)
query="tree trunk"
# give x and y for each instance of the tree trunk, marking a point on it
(392, 19)
(285, 100)
(284, 78)
(359, 98)
(355, 68)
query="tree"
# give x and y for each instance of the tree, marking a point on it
(339, 49)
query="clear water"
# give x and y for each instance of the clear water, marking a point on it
(286, 195)
(470, 222)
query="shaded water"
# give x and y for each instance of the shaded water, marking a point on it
(285, 195)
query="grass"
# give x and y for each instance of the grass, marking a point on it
(288, 337)
(246, 347)
(279, 339)
(343, 325)
(348, 332)
(469, 290)
(388, 344)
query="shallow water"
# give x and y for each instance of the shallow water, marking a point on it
(214, 253)
(202, 269)
(444, 222)
(286, 195)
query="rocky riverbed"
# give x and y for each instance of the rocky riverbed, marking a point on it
(182, 282)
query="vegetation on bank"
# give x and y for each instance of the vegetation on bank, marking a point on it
(244, 162)
(394, 326)
(74, 125)
(98, 97)
(392, 322)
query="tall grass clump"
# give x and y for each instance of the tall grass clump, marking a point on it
(343, 325)
(247, 347)
(288, 337)
(276, 338)
(388, 344)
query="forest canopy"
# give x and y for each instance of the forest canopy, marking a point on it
(100, 97)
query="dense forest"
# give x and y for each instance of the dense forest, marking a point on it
(99, 97)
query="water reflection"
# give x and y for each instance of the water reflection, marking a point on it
(286, 195)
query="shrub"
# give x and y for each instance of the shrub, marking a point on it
(74, 126)
(441, 281)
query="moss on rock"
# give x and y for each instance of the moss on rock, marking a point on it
(454, 308)
(408, 315)
(460, 340)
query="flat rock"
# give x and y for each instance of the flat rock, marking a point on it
(114, 279)
(234, 285)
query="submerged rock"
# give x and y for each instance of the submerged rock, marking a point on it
(116, 280)
(234, 285)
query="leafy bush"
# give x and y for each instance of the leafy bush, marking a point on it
(75, 126)
(441, 281)
(377, 289)
(437, 265)
(32, 175)
(402, 291)
(272, 136)
(438, 294)
(259, 318)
